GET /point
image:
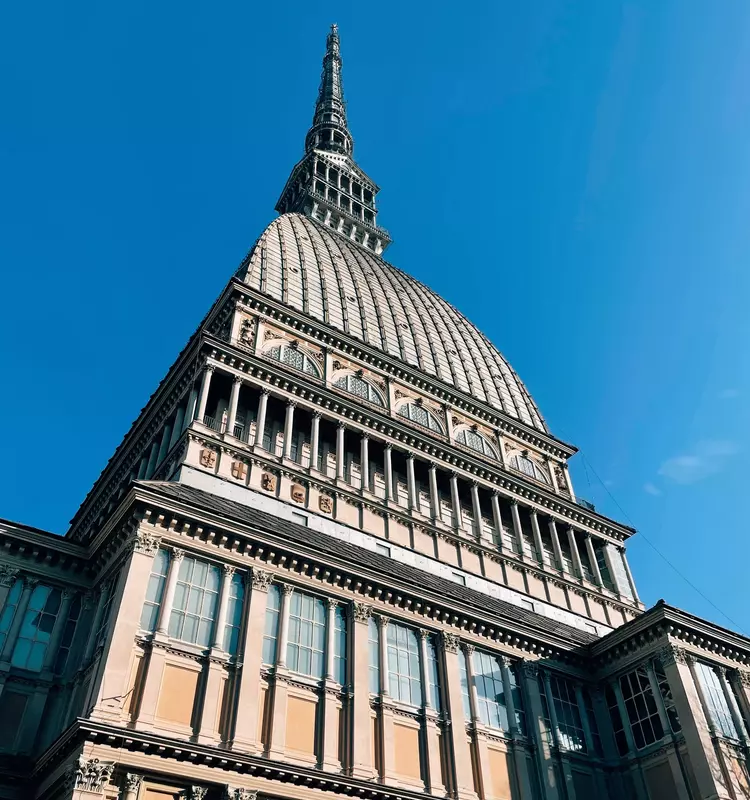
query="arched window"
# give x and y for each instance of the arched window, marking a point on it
(421, 416)
(529, 467)
(293, 357)
(358, 386)
(475, 441)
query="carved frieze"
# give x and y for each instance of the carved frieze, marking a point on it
(297, 493)
(325, 503)
(268, 482)
(241, 794)
(246, 336)
(239, 470)
(208, 458)
(92, 774)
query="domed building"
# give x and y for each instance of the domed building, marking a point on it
(340, 551)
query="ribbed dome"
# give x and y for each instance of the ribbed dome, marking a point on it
(314, 270)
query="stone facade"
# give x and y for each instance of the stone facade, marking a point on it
(340, 551)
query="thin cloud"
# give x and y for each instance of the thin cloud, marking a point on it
(707, 458)
(651, 489)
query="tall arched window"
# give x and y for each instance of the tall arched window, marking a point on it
(293, 357)
(475, 441)
(358, 386)
(529, 467)
(421, 416)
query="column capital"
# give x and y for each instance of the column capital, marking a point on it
(670, 654)
(533, 511)
(450, 642)
(228, 570)
(265, 391)
(341, 425)
(514, 502)
(317, 414)
(365, 435)
(388, 446)
(530, 669)
(177, 554)
(260, 579)
(468, 648)
(32, 582)
(382, 622)
(432, 466)
(332, 603)
(197, 793)
(68, 593)
(8, 575)
(291, 403)
(209, 367)
(145, 542)
(362, 612)
(132, 782)
(424, 633)
(237, 378)
(287, 589)
(506, 661)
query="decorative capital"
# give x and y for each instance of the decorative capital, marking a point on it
(92, 774)
(506, 662)
(196, 793)
(68, 594)
(241, 794)
(31, 581)
(332, 603)
(451, 642)
(382, 622)
(177, 554)
(670, 655)
(287, 588)
(261, 579)
(265, 390)
(424, 633)
(145, 542)
(744, 677)
(8, 575)
(228, 570)
(530, 669)
(237, 378)
(132, 782)
(468, 648)
(315, 415)
(361, 611)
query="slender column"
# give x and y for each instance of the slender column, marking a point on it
(433, 771)
(208, 372)
(260, 420)
(468, 651)
(192, 405)
(505, 667)
(340, 464)
(434, 495)
(517, 749)
(497, 520)
(286, 594)
(164, 445)
(364, 459)
(331, 606)
(362, 728)
(178, 427)
(29, 584)
(568, 482)
(476, 510)
(165, 613)
(152, 458)
(142, 467)
(629, 575)
(551, 469)
(423, 637)
(383, 665)
(551, 789)
(537, 536)
(95, 623)
(623, 716)
(289, 428)
(314, 440)
(58, 628)
(221, 619)
(517, 529)
(131, 786)
(234, 398)
(455, 502)
(388, 471)
(456, 731)
(551, 708)
(577, 566)
(556, 544)
(592, 559)
(8, 577)
(411, 483)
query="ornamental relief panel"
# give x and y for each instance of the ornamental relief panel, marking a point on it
(246, 332)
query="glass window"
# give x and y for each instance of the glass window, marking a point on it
(491, 702)
(271, 632)
(339, 645)
(569, 725)
(155, 591)
(421, 416)
(66, 640)
(109, 593)
(195, 602)
(234, 613)
(515, 690)
(9, 610)
(640, 705)
(294, 358)
(373, 643)
(359, 387)
(717, 706)
(547, 719)
(464, 679)
(36, 629)
(433, 673)
(475, 441)
(307, 635)
(403, 664)
(666, 696)
(616, 719)
(603, 566)
(593, 724)
(529, 467)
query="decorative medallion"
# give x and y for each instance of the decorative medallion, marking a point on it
(208, 458)
(297, 493)
(325, 503)
(268, 482)
(239, 470)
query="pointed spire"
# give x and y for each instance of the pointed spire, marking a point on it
(329, 130)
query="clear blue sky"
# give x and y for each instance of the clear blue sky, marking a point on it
(571, 175)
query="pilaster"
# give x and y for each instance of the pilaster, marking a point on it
(361, 725)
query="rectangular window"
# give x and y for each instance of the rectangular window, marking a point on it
(641, 708)
(616, 719)
(66, 640)
(234, 613)
(271, 632)
(195, 602)
(339, 645)
(666, 696)
(155, 591)
(463, 672)
(109, 593)
(34, 635)
(433, 673)
(491, 701)
(383, 549)
(593, 724)
(307, 635)
(717, 706)
(569, 725)
(603, 566)
(403, 664)
(9, 610)
(515, 690)
(547, 736)
(373, 643)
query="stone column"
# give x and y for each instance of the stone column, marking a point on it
(314, 440)
(551, 469)
(165, 612)
(221, 618)
(556, 544)
(456, 502)
(434, 494)
(629, 575)
(476, 509)
(517, 529)
(362, 727)
(166, 435)
(592, 559)
(364, 458)
(568, 482)
(29, 584)
(517, 748)
(289, 428)
(247, 724)
(411, 483)
(131, 785)
(178, 427)
(388, 471)
(280, 689)
(537, 534)
(58, 628)
(577, 566)
(234, 398)
(260, 421)
(8, 577)
(433, 770)
(152, 458)
(497, 520)
(208, 372)
(383, 653)
(340, 452)
(551, 789)
(192, 405)
(286, 593)
(458, 741)
(330, 698)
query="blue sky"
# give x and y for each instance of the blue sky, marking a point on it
(572, 175)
